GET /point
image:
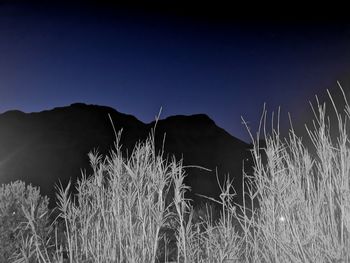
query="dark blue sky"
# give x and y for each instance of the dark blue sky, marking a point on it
(137, 59)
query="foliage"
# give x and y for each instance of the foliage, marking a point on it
(15, 199)
(303, 194)
(132, 209)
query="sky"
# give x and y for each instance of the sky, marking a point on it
(183, 58)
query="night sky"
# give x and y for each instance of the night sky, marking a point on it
(184, 58)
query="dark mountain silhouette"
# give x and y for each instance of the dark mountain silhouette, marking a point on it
(42, 148)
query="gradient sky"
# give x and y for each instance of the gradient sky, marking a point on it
(138, 58)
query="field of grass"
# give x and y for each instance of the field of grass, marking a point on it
(132, 209)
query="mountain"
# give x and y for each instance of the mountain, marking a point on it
(45, 147)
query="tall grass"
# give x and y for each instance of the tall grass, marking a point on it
(133, 209)
(119, 213)
(303, 195)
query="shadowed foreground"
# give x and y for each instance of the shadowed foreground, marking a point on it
(133, 209)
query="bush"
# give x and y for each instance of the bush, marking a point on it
(15, 199)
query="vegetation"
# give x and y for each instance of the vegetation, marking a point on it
(17, 202)
(297, 207)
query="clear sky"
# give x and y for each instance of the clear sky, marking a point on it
(137, 58)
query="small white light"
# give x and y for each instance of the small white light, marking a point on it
(282, 218)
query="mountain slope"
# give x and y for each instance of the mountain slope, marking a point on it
(45, 147)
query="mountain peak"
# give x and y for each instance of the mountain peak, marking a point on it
(78, 105)
(13, 113)
(61, 138)
(197, 117)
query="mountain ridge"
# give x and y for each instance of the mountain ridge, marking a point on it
(45, 147)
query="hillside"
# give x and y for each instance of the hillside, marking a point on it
(45, 147)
